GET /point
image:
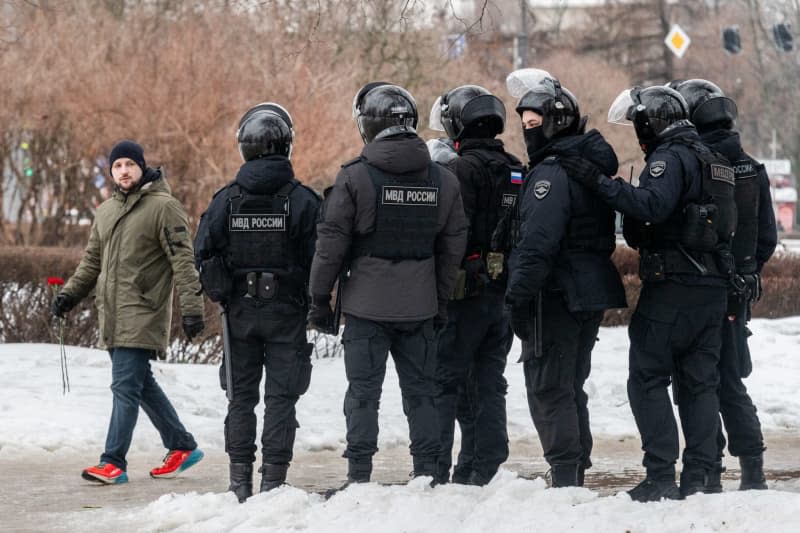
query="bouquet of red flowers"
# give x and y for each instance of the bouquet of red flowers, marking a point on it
(55, 285)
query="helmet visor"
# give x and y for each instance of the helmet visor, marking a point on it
(523, 80)
(441, 150)
(435, 120)
(618, 113)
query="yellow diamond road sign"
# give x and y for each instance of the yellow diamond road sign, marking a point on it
(677, 40)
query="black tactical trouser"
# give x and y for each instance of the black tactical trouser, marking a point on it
(472, 359)
(735, 406)
(675, 333)
(269, 336)
(554, 381)
(366, 348)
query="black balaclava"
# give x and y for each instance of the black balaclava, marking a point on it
(534, 141)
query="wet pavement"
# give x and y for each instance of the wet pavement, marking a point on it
(37, 493)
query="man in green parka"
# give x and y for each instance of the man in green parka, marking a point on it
(139, 245)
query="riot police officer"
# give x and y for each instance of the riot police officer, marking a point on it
(475, 343)
(254, 249)
(562, 277)
(393, 222)
(714, 115)
(681, 218)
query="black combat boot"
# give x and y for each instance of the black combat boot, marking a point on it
(582, 468)
(426, 466)
(752, 473)
(693, 480)
(461, 474)
(478, 479)
(563, 475)
(714, 478)
(272, 476)
(653, 490)
(359, 471)
(241, 480)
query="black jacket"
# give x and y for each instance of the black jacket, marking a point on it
(261, 177)
(478, 193)
(671, 179)
(728, 144)
(377, 288)
(567, 235)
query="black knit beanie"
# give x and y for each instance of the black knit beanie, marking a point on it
(128, 149)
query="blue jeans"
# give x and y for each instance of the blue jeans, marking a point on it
(133, 385)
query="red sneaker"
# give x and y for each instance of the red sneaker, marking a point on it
(105, 473)
(175, 462)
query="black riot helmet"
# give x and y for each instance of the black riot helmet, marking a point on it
(471, 111)
(709, 108)
(557, 106)
(381, 109)
(651, 110)
(266, 129)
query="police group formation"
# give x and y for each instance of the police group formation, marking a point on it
(440, 252)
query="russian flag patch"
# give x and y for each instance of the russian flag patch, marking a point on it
(516, 177)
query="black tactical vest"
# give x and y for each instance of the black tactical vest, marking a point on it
(715, 208)
(593, 230)
(496, 202)
(745, 241)
(406, 216)
(258, 232)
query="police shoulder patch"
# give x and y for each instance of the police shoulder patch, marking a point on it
(541, 189)
(657, 168)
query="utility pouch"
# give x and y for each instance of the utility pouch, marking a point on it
(494, 264)
(459, 289)
(262, 285)
(651, 267)
(699, 232)
(214, 279)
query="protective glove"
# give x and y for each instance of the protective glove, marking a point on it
(521, 318)
(582, 170)
(193, 325)
(320, 314)
(62, 304)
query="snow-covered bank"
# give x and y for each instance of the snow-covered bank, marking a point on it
(508, 504)
(35, 418)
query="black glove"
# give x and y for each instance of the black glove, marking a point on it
(320, 314)
(193, 325)
(582, 170)
(62, 304)
(521, 318)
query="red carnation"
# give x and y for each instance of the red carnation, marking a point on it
(53, 281)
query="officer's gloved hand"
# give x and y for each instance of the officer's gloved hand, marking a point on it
(193, 325)
(521, 317)
(320, 314)
(582, 170)
(62, 304)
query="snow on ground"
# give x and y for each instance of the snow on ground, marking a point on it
(35, 416)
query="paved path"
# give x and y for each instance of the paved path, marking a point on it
(37, 493)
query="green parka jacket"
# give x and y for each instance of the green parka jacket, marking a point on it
(140, 242)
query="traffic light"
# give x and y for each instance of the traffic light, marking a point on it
(731, 40)
(27, 168)
(782, 32)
